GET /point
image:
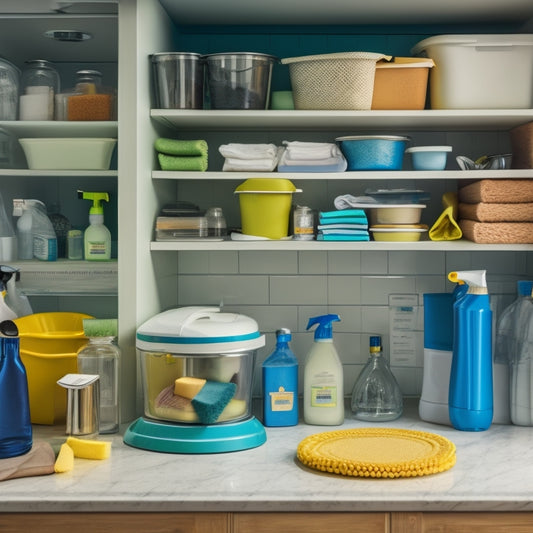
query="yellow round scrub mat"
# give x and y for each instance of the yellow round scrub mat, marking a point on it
(377, 453)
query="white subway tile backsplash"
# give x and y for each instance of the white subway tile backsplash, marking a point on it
(312, 262)
(413, 263)
(193, 262)
(374, 262)
(375, 320)
(345, 262)
(343, 290)
(223, 262)
(294, 290)
(271, 262)
(375, 290)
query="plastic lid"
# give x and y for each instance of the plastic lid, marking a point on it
(199, 330)
(266, 185)
(283, 335)
(428, 149)
(375, 343)
(373, 138)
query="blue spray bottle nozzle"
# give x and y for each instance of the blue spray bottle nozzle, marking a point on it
(324, 329)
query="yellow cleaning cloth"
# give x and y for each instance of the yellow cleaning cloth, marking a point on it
(89, 449)
(446, 227)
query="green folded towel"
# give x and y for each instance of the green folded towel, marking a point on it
(181, 148)
(170, 162)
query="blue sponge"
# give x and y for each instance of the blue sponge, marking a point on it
(212, 399)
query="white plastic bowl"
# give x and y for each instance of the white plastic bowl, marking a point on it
(429, 157)
(395, 214)
(78, 153)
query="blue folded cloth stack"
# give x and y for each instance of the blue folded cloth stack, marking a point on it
(343, 225)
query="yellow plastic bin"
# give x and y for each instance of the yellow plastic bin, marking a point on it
(265, 206)
(49, 343)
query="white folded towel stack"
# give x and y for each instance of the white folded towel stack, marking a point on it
(250, 157)
(312, 154)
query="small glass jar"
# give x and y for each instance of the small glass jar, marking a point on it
(101, 356)
(303, 223)
(216, 223)
(39, 84)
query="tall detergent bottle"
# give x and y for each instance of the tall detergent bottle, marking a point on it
(280, 384)
(323, 377)
(97, 238)
(470, 400)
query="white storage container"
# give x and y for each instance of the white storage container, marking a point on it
(479, 71)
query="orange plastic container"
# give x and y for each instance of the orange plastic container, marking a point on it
(401, 83)
(49, 343)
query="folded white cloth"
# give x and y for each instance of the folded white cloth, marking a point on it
(265, 164)
(332, 160)
(308, 151)
(347, 201)
(248, 151)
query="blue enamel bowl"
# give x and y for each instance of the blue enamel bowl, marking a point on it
(373, 152)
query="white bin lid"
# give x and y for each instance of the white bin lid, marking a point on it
(199, 330)
(517, 39)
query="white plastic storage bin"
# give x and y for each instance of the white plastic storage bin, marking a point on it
(479, 71)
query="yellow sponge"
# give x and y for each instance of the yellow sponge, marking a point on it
(188, 387)
(89, 449)
(65, 459)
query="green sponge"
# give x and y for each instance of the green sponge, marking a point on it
(100, 327)
(212, 399)
(183, 163)
(181, 148)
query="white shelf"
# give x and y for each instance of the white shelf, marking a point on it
(21, 172)
(54, 128)
(295, 246)
(425, 120)
(377, 175)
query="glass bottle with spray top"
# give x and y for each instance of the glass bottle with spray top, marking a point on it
(280, 384)
(323, 377)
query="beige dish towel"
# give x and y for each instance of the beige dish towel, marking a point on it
(485, 212)
(446, 227)
(498, 232)
(497, 191)
(38, 461)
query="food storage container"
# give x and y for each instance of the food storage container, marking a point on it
(373, 152)
(398, 232)
(178, 80)
(479, 71)
(9, 90)
(429, 157)
(206, 345)
(395, 213)
(74, 153)
(401, 83)
(39, 84)
(343, 80)
(265, 205)
(239, 80)
(49, 343)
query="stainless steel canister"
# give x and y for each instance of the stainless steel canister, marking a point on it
(83, 393)
(178, 79)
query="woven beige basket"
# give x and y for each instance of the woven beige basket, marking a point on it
(341, 81)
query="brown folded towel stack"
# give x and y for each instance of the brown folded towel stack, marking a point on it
(497, 211)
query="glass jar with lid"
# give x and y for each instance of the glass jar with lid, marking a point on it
(9, 90)
(39, 84)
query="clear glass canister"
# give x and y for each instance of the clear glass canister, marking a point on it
(216, 223)
(303, 223)
(39, 84)
(101, 356)
(9, 90)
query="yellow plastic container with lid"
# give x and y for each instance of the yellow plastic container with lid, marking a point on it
(265, 206)
(49, 343)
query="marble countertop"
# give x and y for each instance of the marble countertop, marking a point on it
(494, 472)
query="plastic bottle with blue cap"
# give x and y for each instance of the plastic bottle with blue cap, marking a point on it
(280, 384)
(323, 376)
(470, 400)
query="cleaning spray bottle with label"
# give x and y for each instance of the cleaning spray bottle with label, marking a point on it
(323, 377)
(97, 238)
(280, 384)
(470, 400)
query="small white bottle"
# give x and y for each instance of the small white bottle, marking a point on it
(323, 377)
(24, 230)
(97, 238)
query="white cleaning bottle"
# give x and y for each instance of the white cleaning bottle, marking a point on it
(323, 377)
(97, 238)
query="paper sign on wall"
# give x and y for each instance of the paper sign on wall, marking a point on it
(403, 314)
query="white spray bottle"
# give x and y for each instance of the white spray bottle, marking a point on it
(323, 377)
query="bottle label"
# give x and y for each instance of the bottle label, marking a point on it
(281, 400)
(323, 396)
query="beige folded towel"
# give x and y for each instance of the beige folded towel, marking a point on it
(486, 212)
(497, 232)
(497, 191)
(38, 461)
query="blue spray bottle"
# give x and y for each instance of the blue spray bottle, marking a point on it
(470, 400)
(323, 377)
(15, 423)
(280, 384)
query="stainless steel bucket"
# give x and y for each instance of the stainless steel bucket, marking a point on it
(178, 80)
